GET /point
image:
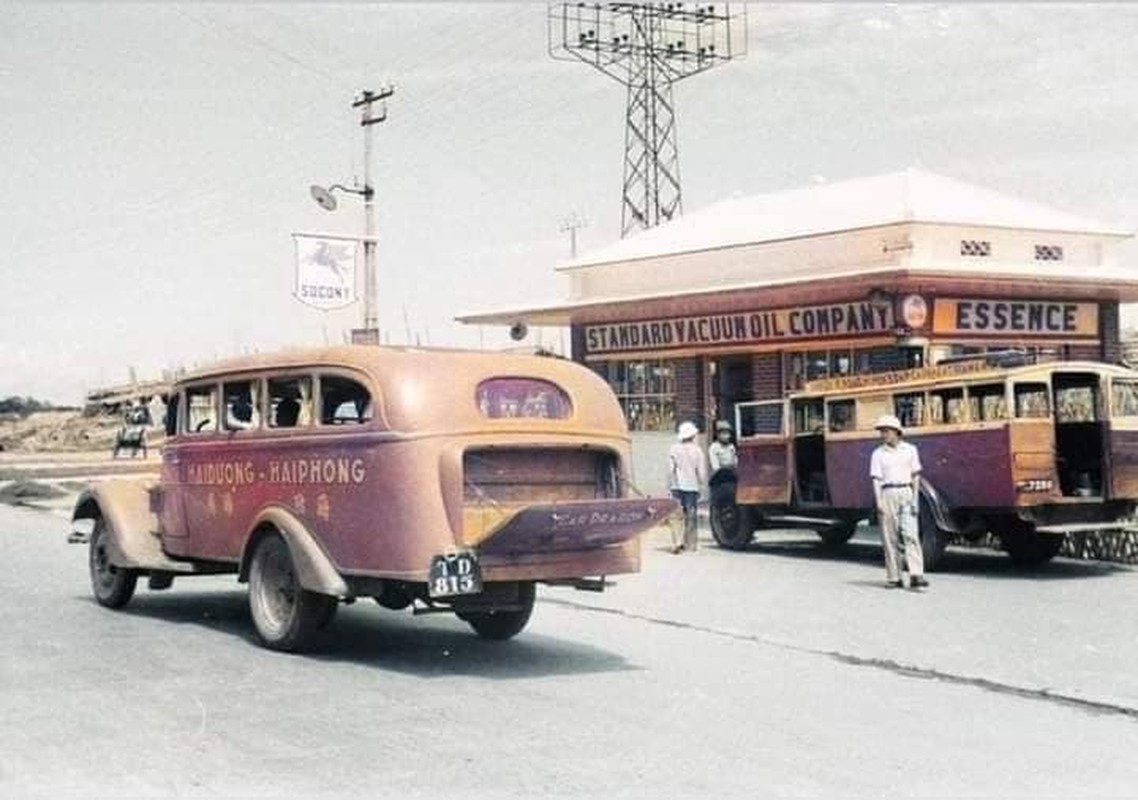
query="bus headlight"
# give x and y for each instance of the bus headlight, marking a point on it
(1035, 485)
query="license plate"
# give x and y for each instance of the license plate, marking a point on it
(454, 574)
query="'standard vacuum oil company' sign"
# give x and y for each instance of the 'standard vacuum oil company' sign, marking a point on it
(753, 327)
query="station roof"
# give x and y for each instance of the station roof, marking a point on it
(909, 196)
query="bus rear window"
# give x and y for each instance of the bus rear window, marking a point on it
(504, 398)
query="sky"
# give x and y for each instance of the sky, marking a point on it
(156, 158)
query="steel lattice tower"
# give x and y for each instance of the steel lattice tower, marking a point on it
(648, 48)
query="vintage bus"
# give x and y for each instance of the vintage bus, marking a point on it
(1027, 451)
(433, 479)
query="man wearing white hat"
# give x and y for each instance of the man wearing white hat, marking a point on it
(896, 472)
(686, 476)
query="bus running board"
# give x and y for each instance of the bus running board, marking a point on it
(1085, 527)
(812, 522)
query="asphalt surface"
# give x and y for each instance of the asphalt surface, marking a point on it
(783, 671)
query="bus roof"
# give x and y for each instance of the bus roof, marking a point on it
(974, 371)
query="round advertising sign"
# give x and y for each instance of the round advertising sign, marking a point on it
(914, 311)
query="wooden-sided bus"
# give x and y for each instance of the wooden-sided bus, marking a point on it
(444, 480)
(1029, 452)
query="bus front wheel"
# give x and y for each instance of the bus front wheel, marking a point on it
(731, 524)
(933, 539)
(1027, 547)
(113, 586)
(837, 534)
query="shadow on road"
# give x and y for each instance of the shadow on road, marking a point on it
(364, 633)
(955, 561)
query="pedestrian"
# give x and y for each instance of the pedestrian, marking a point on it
(721, 454)
(687, 475)
(895, 468)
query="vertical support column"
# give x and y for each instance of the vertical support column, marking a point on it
(1110, 334)
(690, 390)
(577, 343)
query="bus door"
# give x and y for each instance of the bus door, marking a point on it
(1031, 442)
(1122, 435)
(764, 453)
(1080, 452)
(809, 457)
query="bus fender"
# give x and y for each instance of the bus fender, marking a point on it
(940, 508)
(133, 539)
(314, 569)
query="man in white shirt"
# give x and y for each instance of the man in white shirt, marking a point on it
(895, 468)
(687, 473)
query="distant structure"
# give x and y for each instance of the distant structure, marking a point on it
(648, 48)
(1129, 347)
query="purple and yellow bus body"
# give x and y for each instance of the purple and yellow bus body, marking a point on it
(1029, 453)
(446, 479)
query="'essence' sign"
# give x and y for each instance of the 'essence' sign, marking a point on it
(1018, 318)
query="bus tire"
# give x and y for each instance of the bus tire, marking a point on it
(836, 535)
(933, 539)
(731, 524)
(112, 586)
(502, 625)
(1025, 546)
(285, 615)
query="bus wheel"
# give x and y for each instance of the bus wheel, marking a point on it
(933, 539)
(285, 615)
(837, 534)
(1026, 547)
(113, 586)
(502, 625)
(731, 524)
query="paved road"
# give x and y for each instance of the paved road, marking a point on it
(777, 672)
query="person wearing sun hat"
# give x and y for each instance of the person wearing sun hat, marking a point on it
(687, 473)
(895, 468)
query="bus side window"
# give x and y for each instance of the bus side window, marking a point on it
(242, 405)
(808, 417)
(841, 413)
(946, 406)
(290, 402)
(763, 418)
(910, 409)
(1124, 398)
(201, 409)
(172, 414)
(343, 401)
(987, 402)
(1075, 404)
(1031, 401)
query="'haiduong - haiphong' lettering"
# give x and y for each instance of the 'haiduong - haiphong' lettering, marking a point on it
(291, 471)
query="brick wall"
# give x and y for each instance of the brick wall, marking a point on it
(690, 389)
(766, 376)
(1083, 352)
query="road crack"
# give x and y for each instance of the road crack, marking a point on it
(888, 665)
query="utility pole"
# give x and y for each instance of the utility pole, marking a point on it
(367, 99)
(647, 48)
(570, 226)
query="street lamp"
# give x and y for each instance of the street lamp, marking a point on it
(327, 201)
